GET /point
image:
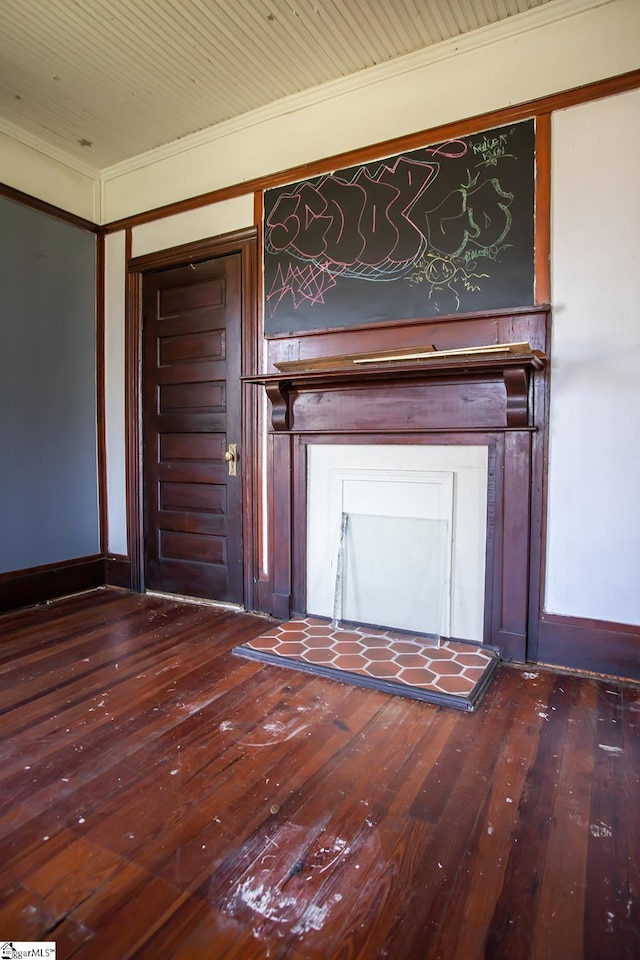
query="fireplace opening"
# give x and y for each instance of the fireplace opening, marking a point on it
(396, 536)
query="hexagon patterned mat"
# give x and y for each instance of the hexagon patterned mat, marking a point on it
(451, 672)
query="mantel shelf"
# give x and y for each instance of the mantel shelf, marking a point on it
(514, 368)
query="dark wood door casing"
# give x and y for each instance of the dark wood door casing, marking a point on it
(244, 244)
(191, 413)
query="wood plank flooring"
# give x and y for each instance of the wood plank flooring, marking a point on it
(160, 797)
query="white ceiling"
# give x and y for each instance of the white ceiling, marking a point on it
(102, 81)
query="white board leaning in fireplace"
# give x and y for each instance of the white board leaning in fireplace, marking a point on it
(415, 544)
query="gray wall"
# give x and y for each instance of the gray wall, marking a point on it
(48, 437)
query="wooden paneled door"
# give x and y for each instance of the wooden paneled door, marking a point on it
(191, 414)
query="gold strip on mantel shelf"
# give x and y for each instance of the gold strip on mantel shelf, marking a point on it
(425, 354)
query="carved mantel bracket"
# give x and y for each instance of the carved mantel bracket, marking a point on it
(516, 381)
(278, 394)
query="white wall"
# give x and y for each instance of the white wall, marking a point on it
(594, 457)
(526, 57)
(29, 170)
(115, 278)
(193, 225)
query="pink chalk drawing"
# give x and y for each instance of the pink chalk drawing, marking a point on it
(395, 219)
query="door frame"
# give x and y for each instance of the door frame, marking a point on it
(245, 243)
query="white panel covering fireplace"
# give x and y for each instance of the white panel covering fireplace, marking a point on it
(396, 536)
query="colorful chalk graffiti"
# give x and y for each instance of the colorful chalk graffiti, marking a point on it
(441, 229)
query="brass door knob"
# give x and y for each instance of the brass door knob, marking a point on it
(231, 456)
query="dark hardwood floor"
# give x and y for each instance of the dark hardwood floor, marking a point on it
(161, 798)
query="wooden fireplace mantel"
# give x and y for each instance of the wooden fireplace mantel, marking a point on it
(512, 369)
(473, 379)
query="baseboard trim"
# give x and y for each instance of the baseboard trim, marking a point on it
(281, 606)
(117, 571)
(596, 646)
(23, 588)
(512, 646)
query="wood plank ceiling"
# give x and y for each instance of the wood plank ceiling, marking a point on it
(106, 80)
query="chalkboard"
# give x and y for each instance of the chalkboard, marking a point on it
(444, 229)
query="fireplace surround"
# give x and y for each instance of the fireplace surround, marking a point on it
(497, 401)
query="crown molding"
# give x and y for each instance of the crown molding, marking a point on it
(48, 149)
(506, 29)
